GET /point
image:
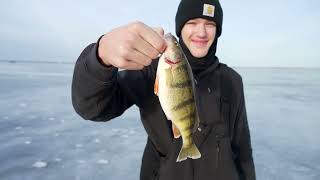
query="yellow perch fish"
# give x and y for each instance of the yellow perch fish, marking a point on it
(175, 89)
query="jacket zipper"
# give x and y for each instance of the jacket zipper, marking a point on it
(218, 150)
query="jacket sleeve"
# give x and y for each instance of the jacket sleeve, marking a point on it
(101, 93)
(241, 141)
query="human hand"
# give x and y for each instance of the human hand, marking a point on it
(132, 46)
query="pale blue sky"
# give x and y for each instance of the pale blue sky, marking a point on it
(273, 33)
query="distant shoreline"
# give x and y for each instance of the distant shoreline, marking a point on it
(66, 62)
(35, 62)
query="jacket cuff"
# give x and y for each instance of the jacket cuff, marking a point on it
(96, 68)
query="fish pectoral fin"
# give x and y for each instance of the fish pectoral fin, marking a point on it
(176, 132)
(156, 86)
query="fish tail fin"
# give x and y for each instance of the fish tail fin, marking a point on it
(189, 152)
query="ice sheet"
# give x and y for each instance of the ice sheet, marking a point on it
(42, 137)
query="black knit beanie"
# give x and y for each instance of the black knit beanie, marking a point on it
(207, 9)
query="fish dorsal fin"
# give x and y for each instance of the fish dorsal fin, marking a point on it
(197, 121)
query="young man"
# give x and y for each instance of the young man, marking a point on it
(101, 93)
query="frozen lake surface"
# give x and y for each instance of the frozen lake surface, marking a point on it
(42, 137)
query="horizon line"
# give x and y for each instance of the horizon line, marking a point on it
(69, 62)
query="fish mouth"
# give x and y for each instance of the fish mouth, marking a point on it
(168, 36)
(168, 61)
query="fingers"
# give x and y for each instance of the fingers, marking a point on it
(145, 48)
(139, 58)
(151, 36)
(132, 59)
(130, 65)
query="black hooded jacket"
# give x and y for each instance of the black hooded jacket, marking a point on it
(101, 93)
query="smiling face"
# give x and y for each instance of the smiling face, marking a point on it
(198, 35)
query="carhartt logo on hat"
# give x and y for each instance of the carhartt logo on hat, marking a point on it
(208, 10)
